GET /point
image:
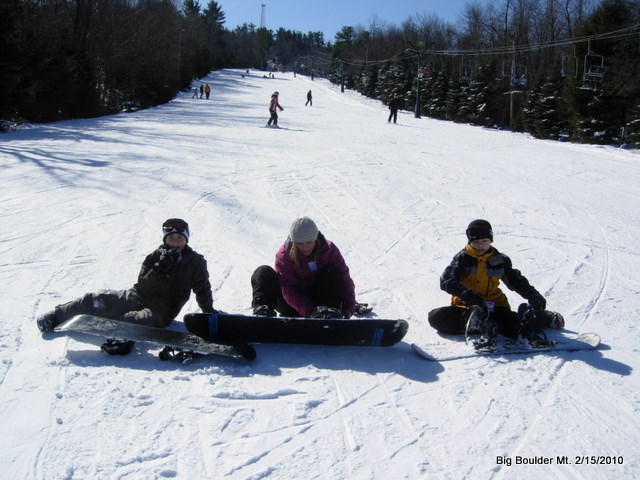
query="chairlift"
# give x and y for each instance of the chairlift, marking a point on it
(467, 72)
(519, 82)
(569, 66)
(437, 65)
(594, 69)
(364, 77)
(518, 79)
(507, 68)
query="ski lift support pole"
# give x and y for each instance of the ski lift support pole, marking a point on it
(511, 89)
(416, 110)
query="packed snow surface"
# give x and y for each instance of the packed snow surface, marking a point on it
(83, 202)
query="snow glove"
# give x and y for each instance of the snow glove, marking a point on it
(326, 312)
(168, 258)
(470, 299)
(537, 302)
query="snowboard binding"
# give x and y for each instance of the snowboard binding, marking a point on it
(480, 330)
(532, 327)
(177, 354)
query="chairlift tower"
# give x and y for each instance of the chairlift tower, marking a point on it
(262, 15)
(516, 82)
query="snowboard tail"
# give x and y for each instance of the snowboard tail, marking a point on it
(117, 329)
(256, 329)
(442, 352)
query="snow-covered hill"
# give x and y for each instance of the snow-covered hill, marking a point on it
(82, 204)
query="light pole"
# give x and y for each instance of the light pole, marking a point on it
(416, 111)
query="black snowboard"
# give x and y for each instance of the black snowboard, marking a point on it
(108, 328)
(367, 332)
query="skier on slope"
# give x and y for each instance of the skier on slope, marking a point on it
(310, 279)
(394, 105)
(478, 306)
(274, 105)
(166, 279)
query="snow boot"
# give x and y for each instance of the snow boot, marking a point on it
(481, 331)
(531, 330)
(264, 311)
(47, 321)
(475, 321)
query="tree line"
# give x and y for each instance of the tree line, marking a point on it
(559, 69)
(64, 59)
(83, 58)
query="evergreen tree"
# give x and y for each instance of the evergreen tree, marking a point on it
(214, 16)
(11, 53)
(474, 101)
(214, 19)
(542, 116)
(345, 39)
(633, 127)
(456, 92)
(191, 7)
(590, 128)
(435, 98)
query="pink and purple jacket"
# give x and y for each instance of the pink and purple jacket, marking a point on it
(297, 283)
(274, 104)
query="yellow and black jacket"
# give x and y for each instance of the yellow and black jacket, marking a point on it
(481, 274)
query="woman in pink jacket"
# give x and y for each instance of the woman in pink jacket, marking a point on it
(310, 279)
(274, 106)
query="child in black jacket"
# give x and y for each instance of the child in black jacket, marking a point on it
(166, 279)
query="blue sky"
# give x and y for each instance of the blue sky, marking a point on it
(329, 16)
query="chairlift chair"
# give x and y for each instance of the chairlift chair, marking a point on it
(594, 69)
(569, 66)
(467, 72)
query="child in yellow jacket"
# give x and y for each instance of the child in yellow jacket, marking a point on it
(478, 305)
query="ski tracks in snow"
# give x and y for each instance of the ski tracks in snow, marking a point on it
(358, 418)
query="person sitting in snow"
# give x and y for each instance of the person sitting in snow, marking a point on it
(310, 279)
(274, 105)
(478, 306)
(166, 279)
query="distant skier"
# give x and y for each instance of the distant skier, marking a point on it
(478, 306)
(394, 105)
(310, 279)
(207, 91)
(166, 279)
(274, 105)
(309, 99)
